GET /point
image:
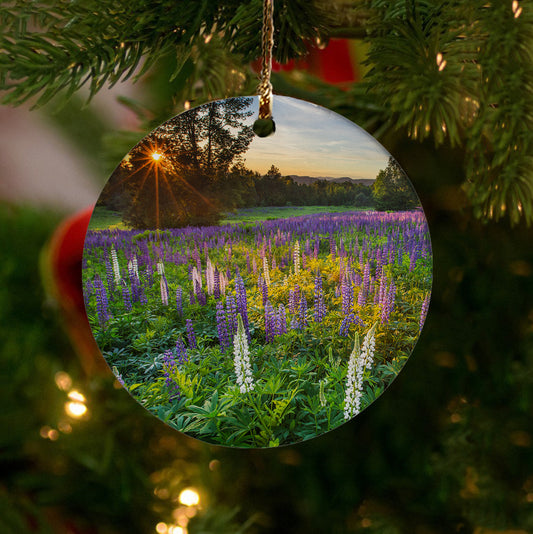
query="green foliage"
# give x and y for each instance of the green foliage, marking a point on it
(299, 376)
(459, 414)
(456, 72)
(392, 189)
(108, 42)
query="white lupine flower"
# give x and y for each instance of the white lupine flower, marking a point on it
(360, 360)
(196, 279)
(133, 268)
(160, 268)
(114, 262)
(241, 360)
(223, 283)
(297, 258)
(164, 292)
(210, 277)
(266, 271)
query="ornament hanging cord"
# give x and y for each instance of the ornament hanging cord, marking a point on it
(264, 125)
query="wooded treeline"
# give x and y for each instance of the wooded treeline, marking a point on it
(191, 170)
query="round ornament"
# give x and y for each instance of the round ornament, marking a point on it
(257, 291)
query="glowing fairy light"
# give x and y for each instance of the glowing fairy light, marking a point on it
(46, 432)
(76, 396)
(156, 156)
(63, 380)
(75, 409)
(189, 497)
(441, 62)
(64, 427)
(517, 10)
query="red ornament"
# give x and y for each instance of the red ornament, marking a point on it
(335, 63)
(62, 266)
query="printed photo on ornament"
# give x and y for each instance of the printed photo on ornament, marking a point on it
(256, 292)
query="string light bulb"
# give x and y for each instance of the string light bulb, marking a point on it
(189, 497)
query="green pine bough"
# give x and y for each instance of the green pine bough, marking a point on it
(457, 72)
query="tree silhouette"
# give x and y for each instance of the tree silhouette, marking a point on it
(392, 189)
(174, 176)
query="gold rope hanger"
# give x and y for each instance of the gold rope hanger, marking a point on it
(264, 125)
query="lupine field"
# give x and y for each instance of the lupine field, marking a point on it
(260, 334)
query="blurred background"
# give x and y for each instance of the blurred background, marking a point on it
(447, 448)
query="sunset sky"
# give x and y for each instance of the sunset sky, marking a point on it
(313, 141)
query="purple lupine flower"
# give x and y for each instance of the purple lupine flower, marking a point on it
(222, 327)
(361, 298)
(345, 325)
(102, 305)
(303, 311)
(181, 351)
(135, 285)
(202, 298)
(168, 366)
(142, 296)
(216, 284)
(320, 305)
(179, 300)
(196, 287)
(192, 297)
(388, 303)
(191, 336)
(423, 312)
(292, 305)
(270, 322)
(412, 261)
(231, 314)
(347, 297)
(264, 292)
(378, 263)
(88, 292)
(126, 297)
(281, 321)
(332, 246)
(294, 325)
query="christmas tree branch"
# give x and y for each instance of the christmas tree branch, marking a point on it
(63, 45)
(456, 71)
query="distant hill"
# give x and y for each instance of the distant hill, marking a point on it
(311, 179)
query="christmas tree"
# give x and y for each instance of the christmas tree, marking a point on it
(446, 87)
